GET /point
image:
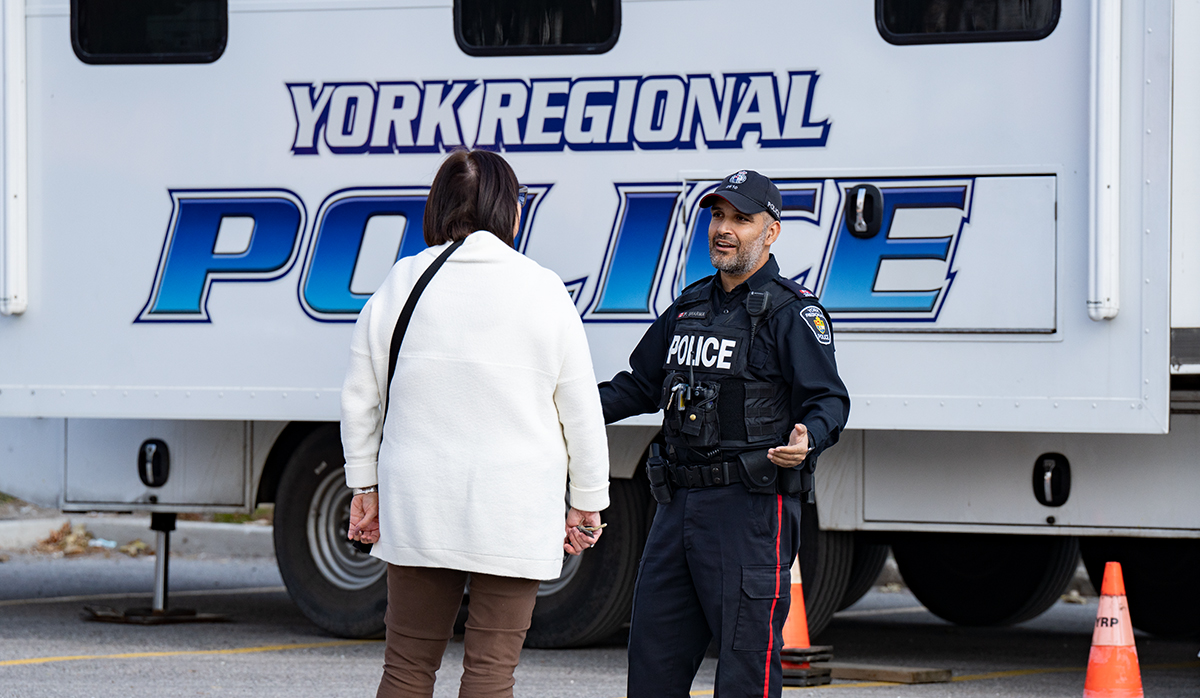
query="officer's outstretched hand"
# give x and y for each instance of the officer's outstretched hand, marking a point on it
(795, 452)
(577, 541)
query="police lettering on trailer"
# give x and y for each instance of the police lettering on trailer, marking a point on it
(734, 372)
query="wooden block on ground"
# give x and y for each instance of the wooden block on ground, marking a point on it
(814, 676)
(896, 674)
(808, 654)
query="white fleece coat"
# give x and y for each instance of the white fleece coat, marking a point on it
(493, 404)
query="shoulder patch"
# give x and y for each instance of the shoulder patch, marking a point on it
(793, 286)
(817, 322)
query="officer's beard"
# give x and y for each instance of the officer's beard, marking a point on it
(746, 258)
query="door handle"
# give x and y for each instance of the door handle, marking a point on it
(860, 225)
(864, 210)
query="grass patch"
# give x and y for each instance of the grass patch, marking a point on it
(263, 513)
(6, 498)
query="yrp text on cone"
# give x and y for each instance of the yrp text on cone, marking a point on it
(1113, 670)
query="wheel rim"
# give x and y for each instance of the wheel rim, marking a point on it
(328, 521)
(570, 568)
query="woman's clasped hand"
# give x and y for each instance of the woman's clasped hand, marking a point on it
(577, 541)
(364, 518)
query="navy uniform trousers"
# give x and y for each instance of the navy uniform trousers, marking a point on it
(716, 565)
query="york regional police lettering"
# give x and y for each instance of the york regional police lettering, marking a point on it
(694, 350)
(658, 112)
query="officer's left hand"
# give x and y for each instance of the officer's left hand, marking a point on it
(795, 452)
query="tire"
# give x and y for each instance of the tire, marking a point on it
(338, 588)
(868, 562)
(825, 562)
(1160, 580)
(978, 580)
(593, 597)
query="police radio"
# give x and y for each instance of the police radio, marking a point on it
(758, 303)
(690, 410)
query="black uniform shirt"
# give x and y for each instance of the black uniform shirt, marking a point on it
(786, 351)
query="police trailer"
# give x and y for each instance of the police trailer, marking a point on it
(989, 197)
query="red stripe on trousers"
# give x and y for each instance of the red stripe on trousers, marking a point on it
(771, 623)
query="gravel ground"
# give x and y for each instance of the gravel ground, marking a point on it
(16, 509)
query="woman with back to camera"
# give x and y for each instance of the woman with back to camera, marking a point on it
(492, 406)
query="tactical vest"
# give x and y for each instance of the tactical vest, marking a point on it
(714, 404)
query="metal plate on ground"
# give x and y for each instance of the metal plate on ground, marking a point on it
(898, 674)
(147, 616)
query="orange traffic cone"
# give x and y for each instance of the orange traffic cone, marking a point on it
(795, 628)
(1113, 665)
(797, 654)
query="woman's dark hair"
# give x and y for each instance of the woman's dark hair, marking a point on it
(473, 190)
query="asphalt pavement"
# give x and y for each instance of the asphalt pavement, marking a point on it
(269, 649)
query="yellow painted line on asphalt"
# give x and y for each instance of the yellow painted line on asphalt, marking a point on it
(880, 612)
(1193, 664)
(142, 595)
(1018, 672)
(788, 689)
(186, 653)
(860, 684)
(971, 677)
(1061, 670)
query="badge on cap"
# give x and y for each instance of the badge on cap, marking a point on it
(816, 322)
(738, 177)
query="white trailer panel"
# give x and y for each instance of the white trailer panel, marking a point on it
(209, 464)
(1010, 119)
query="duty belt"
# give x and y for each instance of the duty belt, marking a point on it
(712, 475)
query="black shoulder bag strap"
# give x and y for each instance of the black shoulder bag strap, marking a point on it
(406, 315)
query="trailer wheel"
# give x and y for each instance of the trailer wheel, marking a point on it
(340, 589)
(825, 562)
(973, 579)
(593, 596)
(868, 562)
(1160, 580)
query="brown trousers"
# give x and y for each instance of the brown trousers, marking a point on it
(422, 605)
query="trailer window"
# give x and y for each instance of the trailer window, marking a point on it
(958, 21)
(523, 27)
(149, 31)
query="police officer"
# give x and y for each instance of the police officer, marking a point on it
(742, 366)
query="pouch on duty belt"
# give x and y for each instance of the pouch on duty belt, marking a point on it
(758, 472)
(656, 472)
(764, 477)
